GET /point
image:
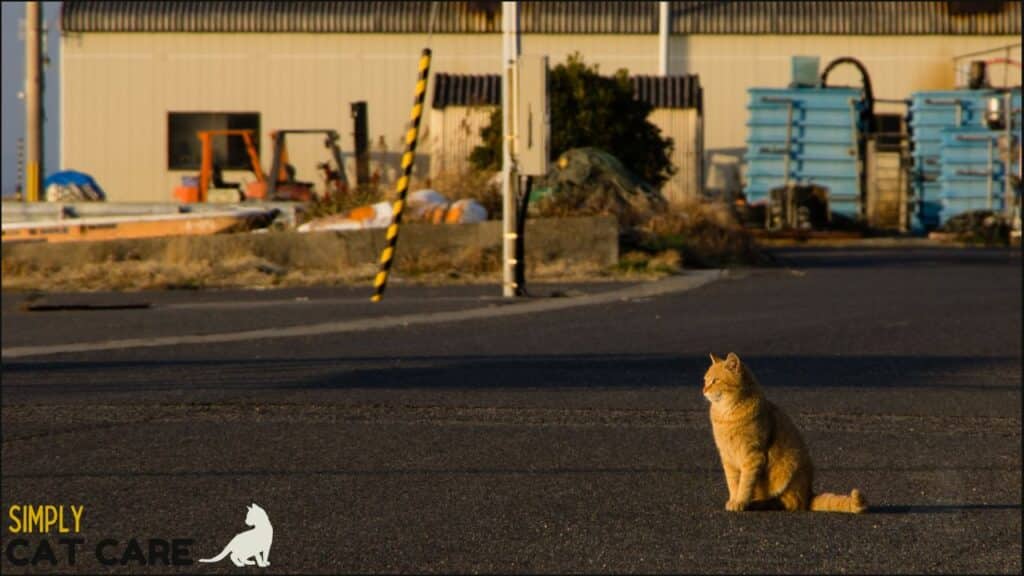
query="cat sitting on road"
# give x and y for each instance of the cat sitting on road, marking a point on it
(767, 466)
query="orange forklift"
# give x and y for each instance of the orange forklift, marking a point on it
(283, 186)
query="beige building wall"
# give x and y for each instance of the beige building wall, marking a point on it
(454, 132)
(684, 127)
(118, 88)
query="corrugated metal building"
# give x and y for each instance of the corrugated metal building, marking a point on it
(138, 77)
(462, 106)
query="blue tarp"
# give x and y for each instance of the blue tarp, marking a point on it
(73, 179)
(68, 177)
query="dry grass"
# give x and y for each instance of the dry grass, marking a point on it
(702, 234)
(232, 272)
(337, 204)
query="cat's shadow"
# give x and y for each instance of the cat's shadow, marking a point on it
(938, 508)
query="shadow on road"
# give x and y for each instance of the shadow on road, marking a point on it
(502, 372)
(939, 508)
(887, 258)
(384, 472)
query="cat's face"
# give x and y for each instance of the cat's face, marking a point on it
(255, 514)
(723, 380)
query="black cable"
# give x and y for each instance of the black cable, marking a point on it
(865, 80)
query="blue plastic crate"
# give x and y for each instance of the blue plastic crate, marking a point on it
(939, 156)
(821, 147)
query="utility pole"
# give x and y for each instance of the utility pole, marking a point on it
(509, 174)
(33, 101)
(663, 30)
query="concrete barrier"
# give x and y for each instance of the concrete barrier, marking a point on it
(573, 241)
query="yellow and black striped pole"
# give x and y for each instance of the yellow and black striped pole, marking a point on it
(402, 186)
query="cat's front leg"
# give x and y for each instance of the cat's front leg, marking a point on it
(261, 559)
(732, 479)
(749, 474)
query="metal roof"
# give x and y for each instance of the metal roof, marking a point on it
(691, 17)
(466, 90)
(485, 90)
(669, 91)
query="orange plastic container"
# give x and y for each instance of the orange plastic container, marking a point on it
(256, 190)
(187, 194)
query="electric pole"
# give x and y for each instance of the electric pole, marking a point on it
(33, 102)
(663, 30)
(509, 174)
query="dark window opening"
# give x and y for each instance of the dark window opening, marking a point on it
(184, 150)
(975, 7)
(888, 129)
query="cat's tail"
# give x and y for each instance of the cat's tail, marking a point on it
(218, 557)
(828, 502)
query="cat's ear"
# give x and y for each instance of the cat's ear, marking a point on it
(732, 362)
(714, 359)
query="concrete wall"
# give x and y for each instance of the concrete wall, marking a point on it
(116, 89)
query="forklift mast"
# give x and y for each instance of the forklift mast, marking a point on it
(278, 165)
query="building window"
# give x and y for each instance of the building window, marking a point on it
(184, 151)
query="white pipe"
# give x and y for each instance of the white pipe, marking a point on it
(663, 30)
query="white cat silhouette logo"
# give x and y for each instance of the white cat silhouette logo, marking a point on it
(253, 543)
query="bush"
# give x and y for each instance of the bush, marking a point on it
(590, 110)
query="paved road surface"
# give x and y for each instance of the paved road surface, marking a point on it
(569, 438)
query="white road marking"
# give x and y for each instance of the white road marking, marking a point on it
(691, 280)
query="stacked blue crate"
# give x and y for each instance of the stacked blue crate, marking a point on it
(822, 149)
(931, 112)
(972, 174)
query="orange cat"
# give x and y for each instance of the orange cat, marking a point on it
(766, 463)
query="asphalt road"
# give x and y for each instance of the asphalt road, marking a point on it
(557, 435)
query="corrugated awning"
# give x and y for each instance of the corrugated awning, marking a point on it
(485, 90)
(690, 17)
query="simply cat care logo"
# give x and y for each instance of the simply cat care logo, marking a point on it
(252, 546)
(54, 535)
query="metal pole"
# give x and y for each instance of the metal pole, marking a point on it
(361, 137)
(1008, 163)
(663, 30)
(33, 101)
(509, 177)
(991, 175)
